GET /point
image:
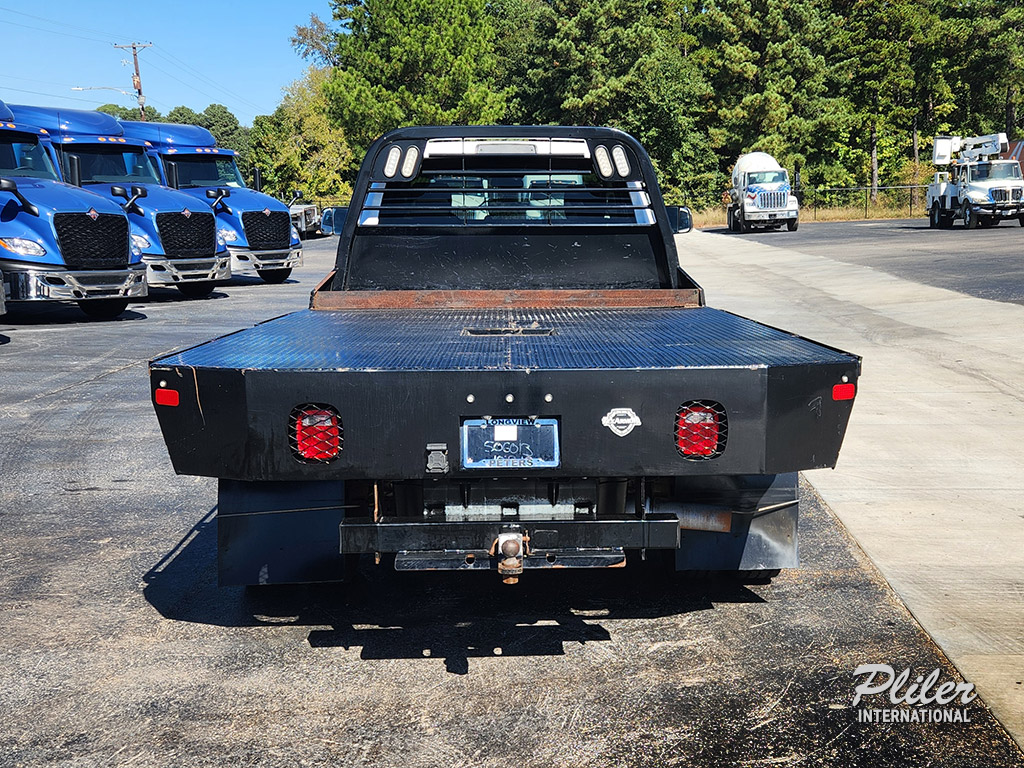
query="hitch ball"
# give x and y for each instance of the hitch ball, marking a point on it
(511, 547)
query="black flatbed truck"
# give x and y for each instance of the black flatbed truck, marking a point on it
(506, 370)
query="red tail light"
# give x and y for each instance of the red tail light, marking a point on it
(315, 432)
(164, 396)
(701, 430)
(844, 391)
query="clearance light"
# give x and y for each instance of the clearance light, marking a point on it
(412, 155)
(701, 430)
(621, 163)
(604, 161)
(167, 397)
(315, 432)
(844, 391)
(391, 166)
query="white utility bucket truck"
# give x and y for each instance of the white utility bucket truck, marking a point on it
(978, 187)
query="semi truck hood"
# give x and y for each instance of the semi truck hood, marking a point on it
(241, 200)
(159, 199)
(49, 197)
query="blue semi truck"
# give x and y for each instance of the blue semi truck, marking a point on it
(256, 227)
(177, 237)
(58, 242)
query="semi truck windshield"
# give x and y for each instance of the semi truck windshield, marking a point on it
(115, 164)
(25, 158)
(196, 171)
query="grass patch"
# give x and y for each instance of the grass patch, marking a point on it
(715, 217)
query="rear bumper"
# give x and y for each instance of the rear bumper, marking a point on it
(272, 533)
(246, 260)
(65, 285)
(161, 270)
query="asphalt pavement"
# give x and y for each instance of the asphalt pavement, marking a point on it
(984, 263)
(119, 648)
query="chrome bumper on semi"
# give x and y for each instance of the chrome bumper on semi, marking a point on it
(161, 270)
(244, 260)
(769, 215)
(1008, 210)
(67, 285)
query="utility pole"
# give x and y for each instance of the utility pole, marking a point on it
(136, 78)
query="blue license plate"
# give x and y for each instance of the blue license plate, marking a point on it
(515, 443)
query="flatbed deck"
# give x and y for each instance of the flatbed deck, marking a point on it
(507, 340)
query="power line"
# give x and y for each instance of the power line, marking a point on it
(53, 31)
(76, 27)
(195, 87)
(172, 59)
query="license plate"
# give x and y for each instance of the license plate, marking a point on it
(516, 443)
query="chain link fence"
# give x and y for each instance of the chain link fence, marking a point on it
(856, 202)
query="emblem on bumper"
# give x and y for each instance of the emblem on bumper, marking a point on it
(621, 421)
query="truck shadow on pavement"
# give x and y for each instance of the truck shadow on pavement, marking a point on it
(60, 314)
(449, 616)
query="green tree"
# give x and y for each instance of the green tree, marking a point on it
(873, 46)
(622, 63)
(129, 113)
(765, 61)
(184, 116)
(407, 62)
(298, 148)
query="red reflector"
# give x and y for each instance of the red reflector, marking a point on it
(697, 431)
(166, 397)
(844, 391)
(317, 436)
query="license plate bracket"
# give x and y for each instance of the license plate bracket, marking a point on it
(510, 443)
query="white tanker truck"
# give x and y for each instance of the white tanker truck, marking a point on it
(761, 196)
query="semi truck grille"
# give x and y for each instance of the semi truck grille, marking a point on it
(1003, 195)
(88, 243)
(187, 237)
(267, 232)
(772, 199)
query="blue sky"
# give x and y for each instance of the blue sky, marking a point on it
(232, 53)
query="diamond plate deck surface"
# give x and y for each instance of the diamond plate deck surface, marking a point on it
(432, 340)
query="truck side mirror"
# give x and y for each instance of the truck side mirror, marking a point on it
(257, 179)
(685, 222)
(129, 202)
(296, 195)
(217, 196)
(74, 170)
(171, 169)
(11, 187)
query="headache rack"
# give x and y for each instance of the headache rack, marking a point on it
(506, 182)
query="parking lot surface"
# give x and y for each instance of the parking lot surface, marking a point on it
(118, 647)
(984, 263)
